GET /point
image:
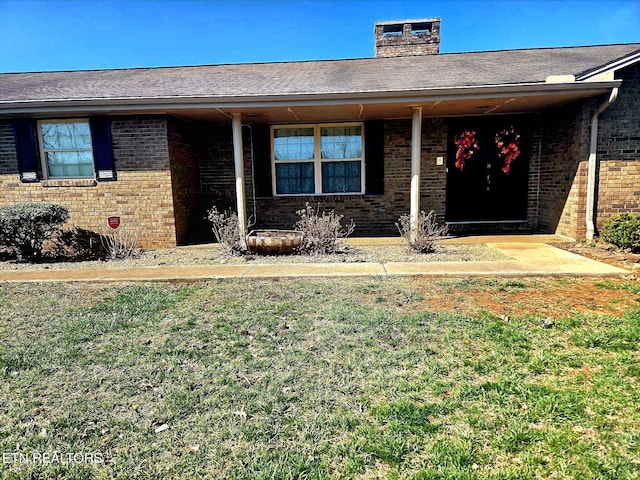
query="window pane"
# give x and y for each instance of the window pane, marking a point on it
(293, 143)
(70, 164)
(65, 135)
(341, 142)
(294, 178)
(340, 177)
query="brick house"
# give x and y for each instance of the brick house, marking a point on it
(541, 139)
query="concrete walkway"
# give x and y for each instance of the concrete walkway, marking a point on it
(527, 258)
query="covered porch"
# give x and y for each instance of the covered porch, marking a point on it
(409, 158)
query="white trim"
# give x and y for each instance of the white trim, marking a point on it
(607, 72)
(163, 104)
(317, 160)
(238, 166)
(43, 152)
(416, 152)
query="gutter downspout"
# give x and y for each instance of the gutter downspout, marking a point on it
(593, 162)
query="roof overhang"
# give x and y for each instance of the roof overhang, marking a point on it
(436, 102)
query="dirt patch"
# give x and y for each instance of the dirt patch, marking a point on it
(518, 297)
(603, 252)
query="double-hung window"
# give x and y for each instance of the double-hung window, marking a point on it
(65, 148)
(318, 159)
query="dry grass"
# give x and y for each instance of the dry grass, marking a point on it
(364, 378)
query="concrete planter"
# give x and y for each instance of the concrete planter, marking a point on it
(274, 242)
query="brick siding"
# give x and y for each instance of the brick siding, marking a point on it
(619, 151)
(184, 156)
(170, 171)
(407, 43)
(563, 187)
(373, 214)
(141, 196)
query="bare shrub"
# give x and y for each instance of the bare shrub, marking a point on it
(226, 229)
(121, 243)
(428, 232)
(323, 232)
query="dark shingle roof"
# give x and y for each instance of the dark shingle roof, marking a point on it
(312, 77)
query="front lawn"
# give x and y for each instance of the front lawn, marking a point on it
(366, 378)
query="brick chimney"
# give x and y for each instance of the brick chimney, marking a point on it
(403, 38)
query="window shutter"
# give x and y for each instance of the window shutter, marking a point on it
(102, 148)
(262, 159)
(374, 156)
(24, 134)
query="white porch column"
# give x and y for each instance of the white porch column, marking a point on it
(238, 161)
(416, 147)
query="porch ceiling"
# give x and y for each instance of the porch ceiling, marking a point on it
(368, 111)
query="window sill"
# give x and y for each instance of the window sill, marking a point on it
(70, 182)
(335, 194)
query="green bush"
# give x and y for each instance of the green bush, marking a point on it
(623, 231)
(24, 227)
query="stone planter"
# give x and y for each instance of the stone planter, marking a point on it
(273, 242)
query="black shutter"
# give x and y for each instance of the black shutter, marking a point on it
(262, 159)
(374, 156)
(102, 148)
(24, 134)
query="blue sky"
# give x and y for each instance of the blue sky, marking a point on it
(87, 34)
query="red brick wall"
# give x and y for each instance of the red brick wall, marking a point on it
(373, 214)
(619, 151)
(141, 196)
(564, 152)
(184, 158)
(407, 43)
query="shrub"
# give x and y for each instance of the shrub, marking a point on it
(80, 244)
(623, 231)
(428, 232)
(24, 227)
(323, 232)
(121, 243)
(226, 229)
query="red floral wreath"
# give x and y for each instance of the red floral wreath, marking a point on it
(508, 143)
(466, 144)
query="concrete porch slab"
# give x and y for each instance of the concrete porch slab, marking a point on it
(538, 257)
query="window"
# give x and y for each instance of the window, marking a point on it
(65, 148)
(318, 159)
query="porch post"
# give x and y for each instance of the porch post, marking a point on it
(416, 147)
(238, 161)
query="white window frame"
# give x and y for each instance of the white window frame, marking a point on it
(43, 151)
(317, 160)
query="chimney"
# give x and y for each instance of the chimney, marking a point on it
(403, 38)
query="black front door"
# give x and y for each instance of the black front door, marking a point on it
(487, 171)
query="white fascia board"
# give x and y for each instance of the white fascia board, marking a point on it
(159, 104)
(607, 72)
